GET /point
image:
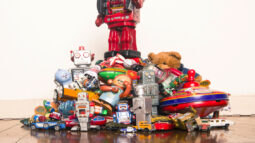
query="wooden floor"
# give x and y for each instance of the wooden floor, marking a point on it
(243, 131)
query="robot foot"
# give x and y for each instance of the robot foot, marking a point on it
(110, 54)
(130, 53)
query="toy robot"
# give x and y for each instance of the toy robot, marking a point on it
(142, 106)
(83, 111)
(82, 59)
(150, 87)
(123, 115)
(121, 16)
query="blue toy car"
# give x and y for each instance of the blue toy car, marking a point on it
(128, 130)
(48, 125)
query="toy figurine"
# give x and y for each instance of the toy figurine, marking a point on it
(121, 16)
(123, 115)
(142, 105)
(82, 107)
(120, 87)
(150, 87)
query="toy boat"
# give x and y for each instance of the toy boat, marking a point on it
(204, 100)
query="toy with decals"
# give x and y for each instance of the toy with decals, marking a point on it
(204, 100)
(111, 73)
(67, 108)
(48, 125)
(50, 106)
(123, 115)
(117, 88)
(121, 18)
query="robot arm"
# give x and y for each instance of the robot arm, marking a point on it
(138, 3)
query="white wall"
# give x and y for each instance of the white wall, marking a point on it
(216, 38)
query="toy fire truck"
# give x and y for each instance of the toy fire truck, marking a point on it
(83, 110)
(150, 87)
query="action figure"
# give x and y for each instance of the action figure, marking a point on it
(121, 16)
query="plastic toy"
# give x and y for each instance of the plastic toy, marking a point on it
(82, 57)
(142, 105)
(145, 126)
(50, 106)
(82, 111)
(160, 119)
(128, 130)
(40, 110)
(48, 125)
(121, 18)
(123, 115)
(121, 87)
(91, 80)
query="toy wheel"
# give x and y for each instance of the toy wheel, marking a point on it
(125, 132)
(45, 126)
(227, 126)
(57, 128)
(146, 130)
(33, 127)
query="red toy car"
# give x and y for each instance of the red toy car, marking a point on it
(71, 123)
(163, 125)
(98, 120)
(55, 115)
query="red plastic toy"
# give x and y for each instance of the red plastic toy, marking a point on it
(164, 126)
(121, 16)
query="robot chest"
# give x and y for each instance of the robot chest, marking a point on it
(116, 6)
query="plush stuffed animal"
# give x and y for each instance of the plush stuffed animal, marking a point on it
(166, 60)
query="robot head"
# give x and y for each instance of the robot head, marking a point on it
(83, 96)
(147, 76)
(120, 79)
(63, 77)
(81, 57)
(122, 107)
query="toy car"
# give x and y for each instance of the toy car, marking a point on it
(163, 125)
(128, 130)
(204, 125)
(48, 125)
(55, 116)
(71, 123)
(145, 126)
(220, 123)
(98, 120)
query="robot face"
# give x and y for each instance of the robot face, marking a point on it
(83, 95)
(147, 76)
(82, 57)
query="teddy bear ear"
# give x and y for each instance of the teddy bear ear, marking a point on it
(176, 55)
(151, 56)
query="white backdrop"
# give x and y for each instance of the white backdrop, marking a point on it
(216, 38)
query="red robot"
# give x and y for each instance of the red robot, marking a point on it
(121, 16)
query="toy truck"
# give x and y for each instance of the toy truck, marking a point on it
(144, 126)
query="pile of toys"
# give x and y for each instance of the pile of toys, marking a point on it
(125, 92)
(128, 95)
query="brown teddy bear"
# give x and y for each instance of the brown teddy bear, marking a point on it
(166, 60)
